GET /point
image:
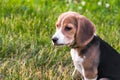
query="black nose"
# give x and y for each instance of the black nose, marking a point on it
(54, 40)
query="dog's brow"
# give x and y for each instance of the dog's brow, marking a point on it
(64, 19)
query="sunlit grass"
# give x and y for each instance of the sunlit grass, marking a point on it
(26, 28)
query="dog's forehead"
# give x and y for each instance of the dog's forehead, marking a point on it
(66, 18)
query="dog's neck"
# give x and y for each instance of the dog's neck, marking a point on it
(83, 50)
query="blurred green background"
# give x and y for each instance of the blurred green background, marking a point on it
(26, 28)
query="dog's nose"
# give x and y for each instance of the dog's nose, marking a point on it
(55, 39)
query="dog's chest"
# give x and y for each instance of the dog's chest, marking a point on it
(77, 60)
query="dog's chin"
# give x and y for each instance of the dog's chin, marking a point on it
(61, 44)
(58, 44)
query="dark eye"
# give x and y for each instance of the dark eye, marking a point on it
(67, 28)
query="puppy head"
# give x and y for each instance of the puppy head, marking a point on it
(73, 29)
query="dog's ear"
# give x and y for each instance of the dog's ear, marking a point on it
(85, 31)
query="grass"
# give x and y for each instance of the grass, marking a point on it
(26, 28)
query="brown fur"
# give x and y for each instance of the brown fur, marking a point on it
(91, 61)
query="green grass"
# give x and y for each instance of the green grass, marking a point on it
(26, 28)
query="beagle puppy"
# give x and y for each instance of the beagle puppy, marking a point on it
(93, 58)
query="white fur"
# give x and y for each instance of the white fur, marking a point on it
(91, 79)
(60, 36)
(77, 60)
(95, 34)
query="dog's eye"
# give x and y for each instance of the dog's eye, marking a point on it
(67, 28)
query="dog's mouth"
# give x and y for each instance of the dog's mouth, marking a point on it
(56, 44)
(62, 44)
(59, 44)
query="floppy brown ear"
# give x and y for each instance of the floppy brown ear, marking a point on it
(85, 31)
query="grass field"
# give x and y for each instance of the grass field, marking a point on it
(26, 28)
